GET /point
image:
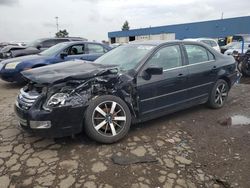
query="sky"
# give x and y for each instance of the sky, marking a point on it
(26, 20)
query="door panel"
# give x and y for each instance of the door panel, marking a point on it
(91, 57)
(163, 91)
(201, 78)
(202, 71)
(168, 89)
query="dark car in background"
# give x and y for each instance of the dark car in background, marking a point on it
(6, 52)
(34, 47)
(131, 83)
(10, 69)
(3, 44)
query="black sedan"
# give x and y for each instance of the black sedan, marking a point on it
(131, 83)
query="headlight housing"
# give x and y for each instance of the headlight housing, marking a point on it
(12, 65)
(57, 100)
(8, 54)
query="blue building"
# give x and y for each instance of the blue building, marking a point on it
(211, 29)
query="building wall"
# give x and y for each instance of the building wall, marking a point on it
(163, 36)
(212, 29)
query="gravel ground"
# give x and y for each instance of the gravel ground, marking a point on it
(197, 147)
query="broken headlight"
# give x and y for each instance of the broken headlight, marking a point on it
(57, 100)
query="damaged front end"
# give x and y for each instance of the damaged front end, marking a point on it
(58, 109)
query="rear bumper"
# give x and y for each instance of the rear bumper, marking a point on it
(234, 78)
(64, 121)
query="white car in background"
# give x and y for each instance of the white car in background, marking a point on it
(237, 46)
(210, 42)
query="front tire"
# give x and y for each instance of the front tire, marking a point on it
(218, 95)
(107, 119)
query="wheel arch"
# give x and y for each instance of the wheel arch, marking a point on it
(39, 65)
(226, 79)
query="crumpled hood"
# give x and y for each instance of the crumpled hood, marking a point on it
(70, 70)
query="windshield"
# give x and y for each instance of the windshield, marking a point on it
(54, 50)
(126, 57)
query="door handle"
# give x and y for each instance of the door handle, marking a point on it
(214, 69)
(181, 77)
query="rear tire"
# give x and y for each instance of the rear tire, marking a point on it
(107, 119)
(218, 95)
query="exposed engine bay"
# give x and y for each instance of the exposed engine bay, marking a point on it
(79, 92)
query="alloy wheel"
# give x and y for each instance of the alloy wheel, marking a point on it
(109, 118)
(221, 94)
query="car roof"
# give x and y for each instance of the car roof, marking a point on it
(82, 42)
(159, 43)
(197, 39)
(68, 38)
(164, 42)
(155, 42)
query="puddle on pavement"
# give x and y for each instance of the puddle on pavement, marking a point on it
(236, 120)
(239, 120)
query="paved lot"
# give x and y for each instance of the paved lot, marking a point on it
(193, 148)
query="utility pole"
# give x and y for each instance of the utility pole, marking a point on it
(57, 25)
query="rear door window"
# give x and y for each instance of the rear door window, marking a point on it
(95, 49)
(213, 43)
(198, 54)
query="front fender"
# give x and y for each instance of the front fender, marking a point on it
(30, 64)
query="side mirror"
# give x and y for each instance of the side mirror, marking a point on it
(249, 46)
(63, 55)
(147, 74)
(38, 46)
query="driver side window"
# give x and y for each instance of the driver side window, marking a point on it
(166, 57)
(76, 49)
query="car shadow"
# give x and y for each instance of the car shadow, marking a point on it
(179, 115)
(7, 85)
(82, 138)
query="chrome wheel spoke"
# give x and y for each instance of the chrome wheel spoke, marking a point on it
(117, 124)
(224, 94)
(100, 118)
(223, 88)
(106, 108)
(112, 127)
(100, 125)
(218, 90)
(217, 99)
(106, 128)
(98, 109)
(221, 101)
(113, 107)
(120, 118)
(117, 112)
